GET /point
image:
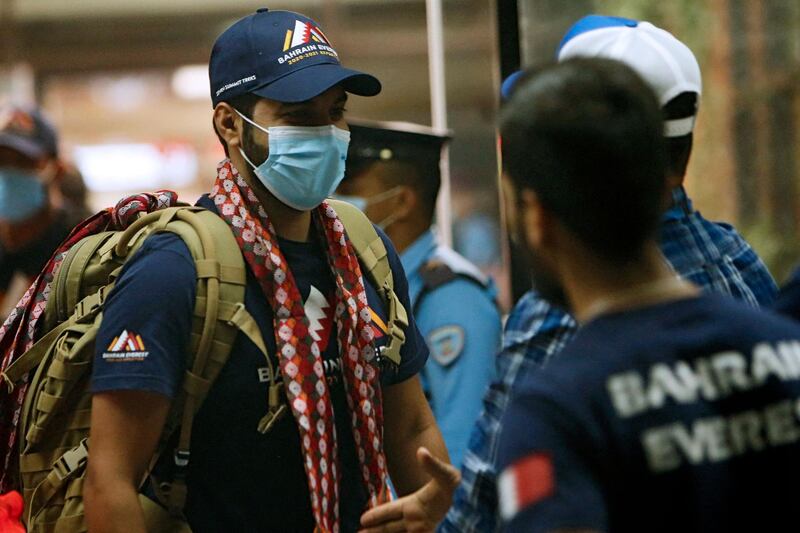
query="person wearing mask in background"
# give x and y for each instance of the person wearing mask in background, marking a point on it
(76, 195)
(393, 176)
(710, 255)
(33, 221)
(279, 93)
(670, 410)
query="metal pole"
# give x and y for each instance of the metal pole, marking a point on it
(9, 34)
(439, 112)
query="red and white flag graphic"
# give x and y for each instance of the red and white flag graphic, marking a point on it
(304, 33)
(527, 481)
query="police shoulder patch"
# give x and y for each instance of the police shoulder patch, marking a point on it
(446, 343)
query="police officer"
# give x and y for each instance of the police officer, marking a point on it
(393, 175)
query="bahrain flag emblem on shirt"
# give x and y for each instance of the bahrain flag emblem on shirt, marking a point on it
(524, 483)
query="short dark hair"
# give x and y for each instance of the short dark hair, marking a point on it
(679, 149)
(586, 136)
(245, 104)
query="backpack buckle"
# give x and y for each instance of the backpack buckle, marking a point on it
(181, 458)
(383, 361)
(72, 460)
(88, 307)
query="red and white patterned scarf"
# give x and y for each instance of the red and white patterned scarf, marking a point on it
(299, 354)
(19, 331)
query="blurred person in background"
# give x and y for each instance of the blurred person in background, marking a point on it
(670, 410)
(76, 195)
(33, 215)
(351, 417)
(393, 175)
(711, 255)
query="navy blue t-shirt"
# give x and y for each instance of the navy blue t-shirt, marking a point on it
(682, 416)
(788, 299)
(239, 479)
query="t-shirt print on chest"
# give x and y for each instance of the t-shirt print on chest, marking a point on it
(321, 313)
(321, 317)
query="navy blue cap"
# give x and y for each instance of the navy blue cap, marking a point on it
(280, 55)
(28, 132)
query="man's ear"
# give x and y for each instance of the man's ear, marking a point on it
(406, 202)
(228, 124)
(536, 220)
(509, 204)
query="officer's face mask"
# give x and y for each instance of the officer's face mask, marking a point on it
(304, 165)
(363, 202)
(22, 194)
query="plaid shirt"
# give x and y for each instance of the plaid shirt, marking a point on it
(711, 255)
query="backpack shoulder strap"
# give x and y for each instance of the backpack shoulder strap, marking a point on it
(446, 266)
(373, 255)
(218, 316)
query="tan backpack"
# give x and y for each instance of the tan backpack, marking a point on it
(55, 418)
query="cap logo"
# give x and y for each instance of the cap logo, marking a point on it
(17, 120)
(303, 42)
(303, 33)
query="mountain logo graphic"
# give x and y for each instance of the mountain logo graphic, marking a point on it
(303, 33)
(127, 342)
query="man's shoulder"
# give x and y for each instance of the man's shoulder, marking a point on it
(458, 264)
(163, 259)
(165, 242)
(732, 315)
(721, 235)
(707, 322)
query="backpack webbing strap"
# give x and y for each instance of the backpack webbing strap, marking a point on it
(219, 315)
(71, 462)
(372, 253)
(85, 310)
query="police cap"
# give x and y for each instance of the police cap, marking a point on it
(372, 141)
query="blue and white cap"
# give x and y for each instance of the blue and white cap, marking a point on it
(664, 62)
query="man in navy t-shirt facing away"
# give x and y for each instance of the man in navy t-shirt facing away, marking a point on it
(670, 410)
(350, 421)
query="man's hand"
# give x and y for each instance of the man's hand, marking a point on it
(420, 511)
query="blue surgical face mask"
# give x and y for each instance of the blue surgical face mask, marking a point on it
(362, 202)
(22, 194)
(305, 164)
(359, 202)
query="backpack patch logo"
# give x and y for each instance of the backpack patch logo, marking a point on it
(128, 346)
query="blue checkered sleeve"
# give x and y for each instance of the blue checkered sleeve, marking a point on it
(534, 332)
(715, 257)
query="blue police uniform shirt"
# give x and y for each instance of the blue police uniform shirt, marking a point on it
(461, 324)
(239, 479)
(681, 416)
